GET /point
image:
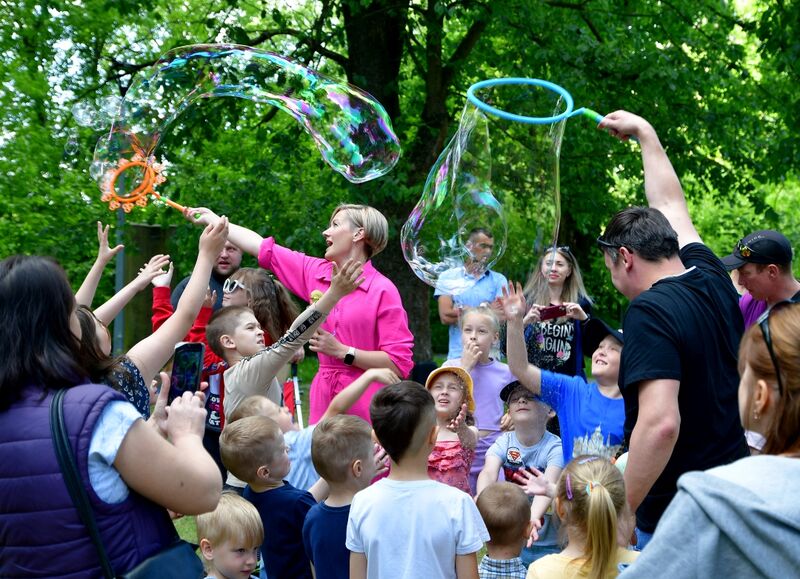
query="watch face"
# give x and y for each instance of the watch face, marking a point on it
(350, 357)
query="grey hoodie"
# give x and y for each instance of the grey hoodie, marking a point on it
(737, 520)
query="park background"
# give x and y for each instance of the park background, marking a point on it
(717, 79)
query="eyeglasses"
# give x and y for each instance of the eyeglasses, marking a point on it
(763, 323)
(231, 285)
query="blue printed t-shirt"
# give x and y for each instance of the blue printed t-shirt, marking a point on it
(590, 422)
(283, 511)
(488, 288)
(324, 535)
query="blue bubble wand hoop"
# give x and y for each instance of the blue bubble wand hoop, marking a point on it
(568, 112)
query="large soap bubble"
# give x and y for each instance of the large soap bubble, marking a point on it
(350, 128)
(502, 160)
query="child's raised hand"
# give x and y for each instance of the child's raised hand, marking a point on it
(458, 420)
(383, 375)
(213, 238)
(532, 482)
(513, 302)
(210, 299)
(347, 278)
(104, 252)
(152, 269)
(165, 279)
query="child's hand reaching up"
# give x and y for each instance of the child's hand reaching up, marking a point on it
(382, 375)
(534, 483)
(151, 270)
(513, 302)
(105, 253)
(165, 279)
(381, 460)
(458, 419)
(346, 279)
(210, 299)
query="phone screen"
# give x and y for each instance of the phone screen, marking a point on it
(187, 365)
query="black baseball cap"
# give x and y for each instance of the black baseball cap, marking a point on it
(594, 331)
(509, 388)
(765, 246)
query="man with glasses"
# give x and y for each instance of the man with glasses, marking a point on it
(678, 372)
(763, 262)
(487, 286)
(227, 263)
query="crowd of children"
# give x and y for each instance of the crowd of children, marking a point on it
(393, 478)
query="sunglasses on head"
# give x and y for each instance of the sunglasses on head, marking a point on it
(744, 249)
(603, 244)
(763, 323)
(231, 285)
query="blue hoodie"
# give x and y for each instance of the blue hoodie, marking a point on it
(737, 520)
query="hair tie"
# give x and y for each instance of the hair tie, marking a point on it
(569, 488)
(590, 486)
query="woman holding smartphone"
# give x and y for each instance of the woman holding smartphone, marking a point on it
(559, 305)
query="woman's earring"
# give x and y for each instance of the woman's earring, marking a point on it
(756, 416)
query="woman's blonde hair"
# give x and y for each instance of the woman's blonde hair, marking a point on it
(271, 303)
(536, 289)
(372, 221)
(591, 493)
(783, 433)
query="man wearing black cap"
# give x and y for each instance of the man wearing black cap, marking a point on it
(591, 415)
(763, 261)
(678, 373)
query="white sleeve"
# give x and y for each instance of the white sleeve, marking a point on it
(353, 540)
(472, 532)
(109, 431)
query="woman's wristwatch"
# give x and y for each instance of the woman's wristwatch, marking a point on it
(350, 357)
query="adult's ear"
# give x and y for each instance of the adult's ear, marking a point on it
(764, 398)
(627, 257)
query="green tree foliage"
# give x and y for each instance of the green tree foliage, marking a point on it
(716, 83)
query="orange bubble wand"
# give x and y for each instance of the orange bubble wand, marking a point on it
(153, 176)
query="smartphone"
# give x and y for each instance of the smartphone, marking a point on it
(187, 364)
(551, 312)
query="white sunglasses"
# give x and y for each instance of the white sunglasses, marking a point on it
(231, 285)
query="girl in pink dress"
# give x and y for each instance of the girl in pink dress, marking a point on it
(451, 458)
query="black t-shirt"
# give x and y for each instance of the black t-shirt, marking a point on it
(687, 328)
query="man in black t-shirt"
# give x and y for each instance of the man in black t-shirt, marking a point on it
(678, 372)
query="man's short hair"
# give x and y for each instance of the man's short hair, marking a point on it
(479, 230)
(235, 520)
(643, 230)
(402, 414)
(337, 442)
(223, 323)
(506, 511)
(376, 228)
(248, 444)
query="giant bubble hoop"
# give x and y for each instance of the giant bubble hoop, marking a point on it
(465, 187)
(350, 128)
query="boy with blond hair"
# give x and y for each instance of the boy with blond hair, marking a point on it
(302, 474)
(230, 537)
(342, 451)
(253, 449)
(505, 511)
